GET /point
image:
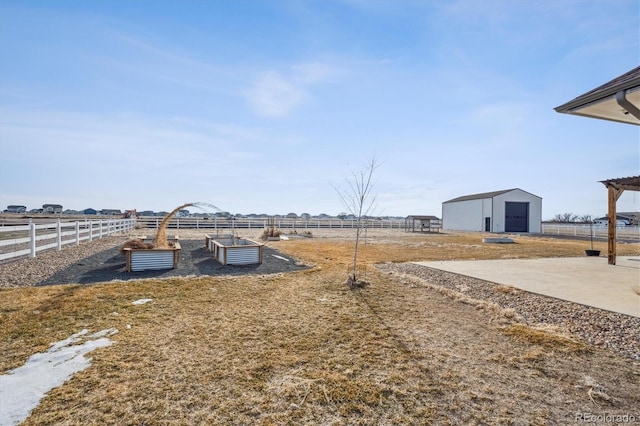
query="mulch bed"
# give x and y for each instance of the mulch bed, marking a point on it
(195, 260)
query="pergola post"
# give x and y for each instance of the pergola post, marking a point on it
(615, 188)
(613, 196)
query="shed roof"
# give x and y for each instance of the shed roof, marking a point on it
(485, 195)
(616, 100)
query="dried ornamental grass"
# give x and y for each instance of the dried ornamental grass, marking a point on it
(161, 234)
(137, 244)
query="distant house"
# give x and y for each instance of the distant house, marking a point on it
(621, 220)
(90, 211)
(70, 211)
(147, 213)
(632, 217)
(16, 209)
(111, 212)
(52, 208)
(509, 210)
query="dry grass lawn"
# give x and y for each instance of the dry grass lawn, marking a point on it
(304, 349)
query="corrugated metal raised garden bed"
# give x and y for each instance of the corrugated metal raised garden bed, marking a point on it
(152, 259)
(231, 250)
(141, 255)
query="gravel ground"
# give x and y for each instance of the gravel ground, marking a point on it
(101, 261)
(75, 263)
(617, 332)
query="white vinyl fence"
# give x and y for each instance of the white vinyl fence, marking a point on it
(581, 230)
(282, 223)
(29, 239)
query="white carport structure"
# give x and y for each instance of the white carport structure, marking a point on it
(618, 100)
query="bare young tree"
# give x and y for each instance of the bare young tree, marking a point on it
(357, 199)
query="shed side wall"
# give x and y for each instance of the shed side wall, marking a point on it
(463, 215)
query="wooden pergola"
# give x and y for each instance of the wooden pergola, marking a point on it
(615, 188)
(617, 100)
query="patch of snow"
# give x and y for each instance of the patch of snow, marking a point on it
(280, 257)
(22, 389)
(105, 332)
(141, 301)
(282, 237)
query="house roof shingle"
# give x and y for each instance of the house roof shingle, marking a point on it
(602, 101)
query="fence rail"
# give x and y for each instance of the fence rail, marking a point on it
(29, 239)
(284, 223)
(630, 233)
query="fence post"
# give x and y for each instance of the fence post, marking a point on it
(90, 230)
(77, 233)
(100, 235)
(59, 232)
(32, 234)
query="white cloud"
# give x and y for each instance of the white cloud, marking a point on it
(272, 95)
(276, 94)
(311, 72)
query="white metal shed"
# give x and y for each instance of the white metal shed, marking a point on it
(509, 210)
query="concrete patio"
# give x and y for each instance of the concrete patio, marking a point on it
(586, 280)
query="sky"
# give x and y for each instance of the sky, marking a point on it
(269, 106)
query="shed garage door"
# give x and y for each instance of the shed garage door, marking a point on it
(516, 217)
